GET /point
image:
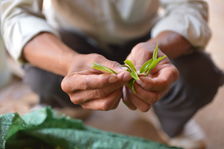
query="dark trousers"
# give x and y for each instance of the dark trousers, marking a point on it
(198, 83)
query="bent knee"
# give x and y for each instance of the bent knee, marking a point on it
(200, 76)
(43, 83)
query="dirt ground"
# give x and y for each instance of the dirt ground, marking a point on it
(17, 97)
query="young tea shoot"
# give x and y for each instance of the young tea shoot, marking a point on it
(132, 69)
(103, 68)
(144, 70)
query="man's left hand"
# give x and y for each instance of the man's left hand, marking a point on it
(151, 88)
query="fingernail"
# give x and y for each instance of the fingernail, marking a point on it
(113, 79)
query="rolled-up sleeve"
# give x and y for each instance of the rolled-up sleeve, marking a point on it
(186, 17)
(21, 20)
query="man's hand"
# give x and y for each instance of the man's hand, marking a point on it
(46, 51)
(151, 88)
(90, 88)
(93, 89)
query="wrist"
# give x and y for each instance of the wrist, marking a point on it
(76, 62)
(172, 44)
(48, 52)
(80, 62)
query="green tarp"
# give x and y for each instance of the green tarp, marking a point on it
(45, 129)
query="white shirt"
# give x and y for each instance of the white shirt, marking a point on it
(105, 21)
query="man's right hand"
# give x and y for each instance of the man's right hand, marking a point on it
(93, 89)
(90, 88)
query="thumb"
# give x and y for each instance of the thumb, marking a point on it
(121, 72)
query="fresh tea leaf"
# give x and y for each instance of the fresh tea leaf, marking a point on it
(131, 69)
(103, 68)
(131, 85)
(155, 52)
(127, 68)
(154, 64)
(162, 58)
(130, 64)
(145, 66)
(134, 75)
(151, 66)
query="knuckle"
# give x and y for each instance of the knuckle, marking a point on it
(146, 85)
(145, 108)
(111, 64)
(102, 80)
(116, 102)
(155, 98)
(67, 84)
(164, 82)
(99, 93)
(83, 84)
(115, 106)
(114, 64)
(106, 106)
(73, 99)
(64, 85)
(87, 107)
(96, 94)
(139, 46)
(75, 102)
(97, 58)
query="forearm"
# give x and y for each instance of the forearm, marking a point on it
(172, 44)
(46, 51)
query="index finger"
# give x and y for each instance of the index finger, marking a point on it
(84, 82)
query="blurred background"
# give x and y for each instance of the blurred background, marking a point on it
(17, 97)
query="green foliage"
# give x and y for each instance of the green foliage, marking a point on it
(45, 129)
(145, 66)
(103, 68)
(131, 84)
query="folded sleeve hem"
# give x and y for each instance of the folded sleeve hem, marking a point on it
(18, 56)
(197, 35)
(20, 33)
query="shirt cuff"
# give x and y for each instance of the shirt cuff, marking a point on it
(195, 30)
